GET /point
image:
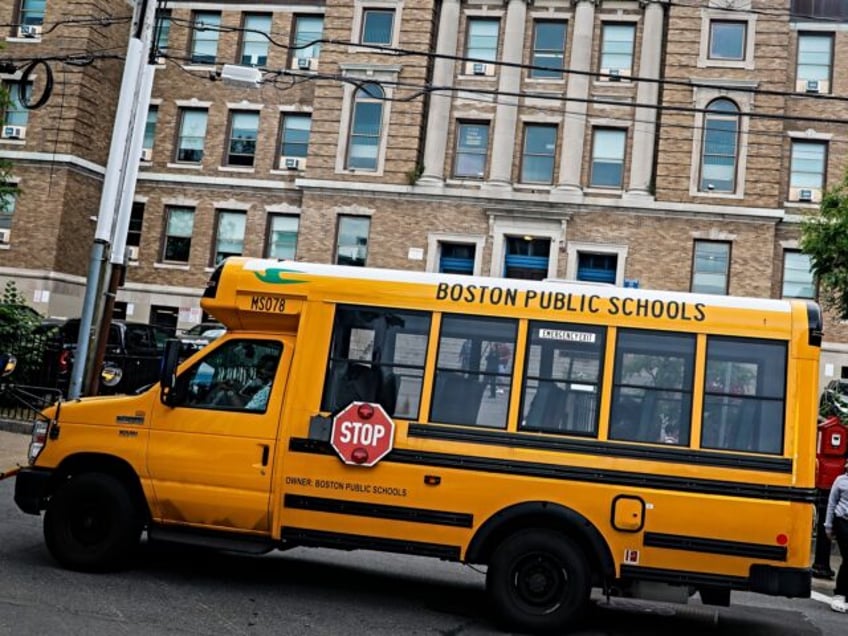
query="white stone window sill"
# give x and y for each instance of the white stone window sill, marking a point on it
(236, 169)
(803, 206)
(182, 268)
(186, 166)
(13, 142)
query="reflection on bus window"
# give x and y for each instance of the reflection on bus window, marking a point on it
(474, 371)
(562, 377)
(652, 387)
(238, 375)
(377, 355)
(744, 392)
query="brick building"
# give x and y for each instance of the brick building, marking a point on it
(438, 135)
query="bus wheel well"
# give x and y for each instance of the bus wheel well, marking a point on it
(107, 464)
(544, 515)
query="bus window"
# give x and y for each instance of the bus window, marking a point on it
(474, 371)
(652, 387)
(228, 377)
(744, 395)
(563, 373)
(377, 355)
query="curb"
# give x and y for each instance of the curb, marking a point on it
(16, 426)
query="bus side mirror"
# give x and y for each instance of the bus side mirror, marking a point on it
(168, 372)
(8, 362)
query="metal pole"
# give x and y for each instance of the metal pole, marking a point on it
(116, 172)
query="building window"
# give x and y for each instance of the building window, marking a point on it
(472, 147)
(150, 127)
(597, 268)
(482, 42)
(282, 236)
(229, 235)
(617, 50)
(798, 279)
(719, 153)
(352, 240)
(178, 229)
(32, 12)
(815, 59)
(806, 178)
(456, 258)
(527, 257)
(727, 40)
(710, 267)
(136, 222)
(192, 135)
(548, 49)
(608, 158)
(244, 128)
(366, 128)
(308, 29)
(204, 37)
(294, 139)
(8, 202)
(162, 32)
(255, 42)
(15, 113)
(377, 26)
(537, 160)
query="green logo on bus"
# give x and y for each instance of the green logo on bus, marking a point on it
(274, 276)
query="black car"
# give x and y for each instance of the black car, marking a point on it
(133, 347)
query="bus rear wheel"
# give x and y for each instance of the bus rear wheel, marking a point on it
(91, 524)
(538, 581)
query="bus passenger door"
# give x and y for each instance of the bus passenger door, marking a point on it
(210, 458)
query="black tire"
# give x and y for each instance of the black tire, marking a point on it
(538, 581)
(91, 524)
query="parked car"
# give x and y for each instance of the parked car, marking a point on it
(199, 336)
(133, 347)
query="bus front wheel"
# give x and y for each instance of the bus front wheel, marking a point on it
(538, 581)
(91, 523)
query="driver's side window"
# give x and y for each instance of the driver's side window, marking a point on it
(238, 375)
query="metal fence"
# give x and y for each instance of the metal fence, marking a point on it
(43, 370)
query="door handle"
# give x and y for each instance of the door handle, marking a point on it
(265, 451)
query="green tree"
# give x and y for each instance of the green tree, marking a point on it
(824, 237)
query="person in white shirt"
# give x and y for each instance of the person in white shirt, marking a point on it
(836, 526)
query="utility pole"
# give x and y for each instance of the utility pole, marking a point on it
(116, 198)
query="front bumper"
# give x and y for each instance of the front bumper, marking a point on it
(31, 488)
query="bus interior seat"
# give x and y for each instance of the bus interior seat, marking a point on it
(747, 421)
(355, 382)
(457, 398)
(387, 392)
(547, 410)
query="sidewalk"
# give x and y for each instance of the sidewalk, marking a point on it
(14, 441)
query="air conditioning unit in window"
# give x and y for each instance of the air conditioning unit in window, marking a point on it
(292, 163)
(812, 86)
(14, 132)
(805, 195)
(614, 74)
(29, 31)
(479, 68)
(5, 236)
(305, 63)
(147, 154)
(132, 253)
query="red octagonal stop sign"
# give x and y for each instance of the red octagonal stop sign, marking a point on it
(363, 433)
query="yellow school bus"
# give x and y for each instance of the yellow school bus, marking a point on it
(567, 436)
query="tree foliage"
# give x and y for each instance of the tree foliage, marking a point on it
(824, 238)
